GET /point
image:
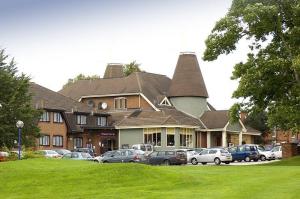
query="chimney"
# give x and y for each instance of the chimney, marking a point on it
(113, 70)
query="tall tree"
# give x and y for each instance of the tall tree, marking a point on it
(269, 79)
(131, 68)
(15, 105)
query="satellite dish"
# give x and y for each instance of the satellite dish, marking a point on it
(104, 105)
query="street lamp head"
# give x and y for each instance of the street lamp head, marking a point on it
(19, 124)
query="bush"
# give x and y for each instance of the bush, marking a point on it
(32, 154)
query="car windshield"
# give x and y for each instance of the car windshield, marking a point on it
(223, 151)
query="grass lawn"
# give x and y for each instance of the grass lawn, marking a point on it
(42, 178)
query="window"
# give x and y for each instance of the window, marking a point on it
(81, 119)
(120, 103)
(57, 140)
(186, 137)
(78, 142)
(170, 137)
(102, 121)
(152, 136)
(45, 117)
(213, 151)
(45, 140)
(57, 118)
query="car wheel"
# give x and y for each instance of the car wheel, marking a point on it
(227, 162)
(194, 161)
(255, 160)
(204, 163)
(263, 158)
(247, 159)
(167, 162)
(105, 162)
(217, 161)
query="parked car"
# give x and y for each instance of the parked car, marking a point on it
(190, 153)
(264, 154)
(100, 157)
(50, 154)
(244, 152)
(216, 155)
(124, 155)
(3, 155)
(85, 150)
(168, 157)
(277, 150)
(78, 156)
(62, 151)
(147, 148)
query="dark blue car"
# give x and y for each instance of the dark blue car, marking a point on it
(244, 152)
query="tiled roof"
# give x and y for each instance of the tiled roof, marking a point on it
(187, 79)
(114, 71)
(215, 119)
(151, 85)
(44, 98)
(164, 117)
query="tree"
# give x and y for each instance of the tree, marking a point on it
(81, 77)
(131, 68)
(15, 105)
(269, 79)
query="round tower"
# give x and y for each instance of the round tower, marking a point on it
(187, 91)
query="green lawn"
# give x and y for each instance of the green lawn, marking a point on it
(42, 178)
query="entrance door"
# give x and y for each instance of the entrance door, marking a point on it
(109, 144)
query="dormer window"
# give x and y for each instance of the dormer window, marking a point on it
(102, 121)
(120, 103)
(81, 119)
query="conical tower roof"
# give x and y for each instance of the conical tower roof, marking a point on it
(187, 79)
(113, 71)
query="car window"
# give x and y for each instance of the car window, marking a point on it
(123, 153)
(223, 151)
(161, 153)
(74, 155)
(149, 148)
(204, 152)
(212, 151)
(180, 153)
(86, 155)
(143, 148)
(153, 154)
(252, 148)
(232, 150)
(68, 155)
(170, 152)
(129, 152)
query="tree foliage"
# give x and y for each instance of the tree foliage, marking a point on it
(81, 77)
(269, 79)
(131, 68)
(15, 105)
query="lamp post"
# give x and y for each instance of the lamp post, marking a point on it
(19, 125)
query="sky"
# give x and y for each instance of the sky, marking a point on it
(54, 40)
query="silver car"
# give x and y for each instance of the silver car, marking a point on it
(216, 155)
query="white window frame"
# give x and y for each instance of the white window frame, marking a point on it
(122, 101)
(152, 131)
(187, 134)
(102, 121)
(170, 133)
(44, 140)
(45, 117)
(58, 140)
(57, 117)
(81, 119)
(80, 139)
